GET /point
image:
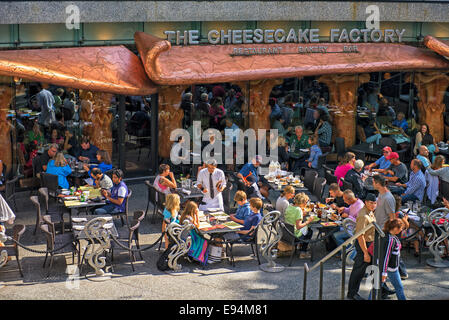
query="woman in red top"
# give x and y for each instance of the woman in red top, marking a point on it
(217, 113)
(346, 164)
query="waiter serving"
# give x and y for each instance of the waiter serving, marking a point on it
(211, 182)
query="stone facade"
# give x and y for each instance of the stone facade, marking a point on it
(16, 12)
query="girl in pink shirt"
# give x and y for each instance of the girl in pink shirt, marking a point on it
(346, 164)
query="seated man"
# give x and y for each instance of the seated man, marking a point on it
(251, 169)
(355, 205)
(382, 162)
(101, 179)
(41, 161)
(88, 151)
(354, 177)
(297, 142)
(335, 199)
(211, 181)
(414, 188)
(243, 209)
(397, 172)
(116, 198)
(423, 156)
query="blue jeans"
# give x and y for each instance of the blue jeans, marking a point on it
(402, 268)
(375, 138)
(409, 197)
(395, 280)
(107, 209)
(340, 237)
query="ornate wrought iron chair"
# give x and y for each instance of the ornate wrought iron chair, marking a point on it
(439, 234)
(180, 243)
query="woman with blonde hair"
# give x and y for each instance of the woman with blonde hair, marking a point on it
(438, 169)
(294, 215)
(59, 167)
(172, 207)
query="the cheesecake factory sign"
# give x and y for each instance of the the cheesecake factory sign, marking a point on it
(269, 36)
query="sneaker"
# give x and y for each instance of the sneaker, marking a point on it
(304, 255)
(404, 276)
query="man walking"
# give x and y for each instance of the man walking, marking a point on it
(385, 210)
(362, 259)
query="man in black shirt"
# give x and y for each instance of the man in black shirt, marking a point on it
(41, 161)
(336, 197)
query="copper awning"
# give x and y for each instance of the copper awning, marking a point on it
(439, 46)
(107, 69)
(177, 65)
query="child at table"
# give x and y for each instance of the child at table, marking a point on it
(243, 209)
(251, 221)
(198, 249)
(172, 206)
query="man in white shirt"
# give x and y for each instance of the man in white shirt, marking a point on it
(211, 181)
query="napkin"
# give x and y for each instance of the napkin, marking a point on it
(187, 192)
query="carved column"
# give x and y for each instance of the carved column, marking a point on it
(97, 118)
(259, 110)
(5, 126)
(343, 103)
(244, 86)
(431, 89)
(170, 116)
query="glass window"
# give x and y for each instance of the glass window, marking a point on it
(436, 29)
(98, 33)
(41, 34)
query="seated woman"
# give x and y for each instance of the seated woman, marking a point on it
(104, 163)
(294, 215)
(283, 201)
(438, 169)
(400, 124)
(59, 167)
(346, 164)
(162, 183)
(31, 153)
(172, 207)
(424, 138)
(370, 130)
(35, 135)
(56, 137)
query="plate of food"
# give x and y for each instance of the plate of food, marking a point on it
(329, 224)
(322, 206)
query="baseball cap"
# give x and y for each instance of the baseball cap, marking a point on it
(370, 197)
(387, 148)
(258, 159)
(393, 155)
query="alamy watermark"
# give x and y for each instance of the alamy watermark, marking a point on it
(181, 153)
(73, 19)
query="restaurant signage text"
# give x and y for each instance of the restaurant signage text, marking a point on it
(192, 37)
